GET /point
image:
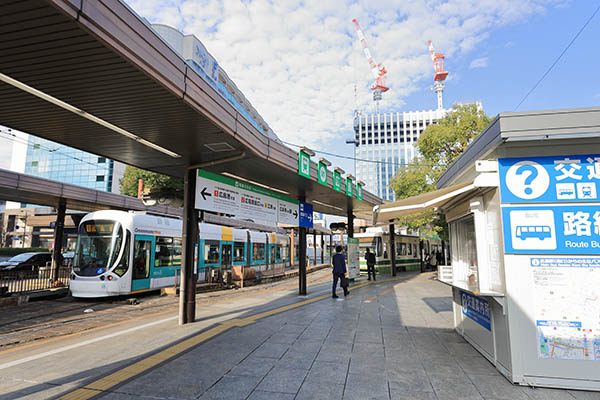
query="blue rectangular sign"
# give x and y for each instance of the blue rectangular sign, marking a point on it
(573, 178)
(556, 229)
(477, 309)
(306, 214)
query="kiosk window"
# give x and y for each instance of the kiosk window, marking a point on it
(211, 252)
(238, 251)
(464, 249)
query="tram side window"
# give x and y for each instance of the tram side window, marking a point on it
(164, 247)
(123, 265)
(402, 249)
(409, 249)
(258, 251)
(211, 252)
(238, 251)
(278, 252)
(176, 252)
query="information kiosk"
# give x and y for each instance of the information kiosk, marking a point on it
(526, 246)
(523, 207)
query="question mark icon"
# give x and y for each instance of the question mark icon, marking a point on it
(533, 173)
(527, 180)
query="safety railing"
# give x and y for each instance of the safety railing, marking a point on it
(32, 280)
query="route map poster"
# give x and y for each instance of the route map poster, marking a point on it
(567, 307)
(353, 258)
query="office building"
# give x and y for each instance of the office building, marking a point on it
(388, 142)
(56, 162)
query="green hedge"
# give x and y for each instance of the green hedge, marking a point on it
(13, 251)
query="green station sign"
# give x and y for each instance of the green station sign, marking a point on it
(303, 164)
(322, 174)
(349, 186)
(337, 181)
(359, 190)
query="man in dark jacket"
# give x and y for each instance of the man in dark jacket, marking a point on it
(339, 271)
(370, 259)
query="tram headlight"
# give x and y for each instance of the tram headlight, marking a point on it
(110, 277)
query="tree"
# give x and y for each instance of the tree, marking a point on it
(153, 181)
(439, 145)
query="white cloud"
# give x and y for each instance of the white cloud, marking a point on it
(298, 62)
(481, 62)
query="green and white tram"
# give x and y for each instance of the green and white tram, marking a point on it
(121, 253)
(377, 240)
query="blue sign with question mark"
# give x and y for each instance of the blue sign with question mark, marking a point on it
(574, 178)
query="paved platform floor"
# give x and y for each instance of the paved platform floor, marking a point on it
(389, 340)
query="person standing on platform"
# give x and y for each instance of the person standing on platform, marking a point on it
(370, 259)
(339, 271)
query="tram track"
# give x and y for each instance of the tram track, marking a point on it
(70, 319)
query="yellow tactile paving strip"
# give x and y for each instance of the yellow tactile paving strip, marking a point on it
(97, 387)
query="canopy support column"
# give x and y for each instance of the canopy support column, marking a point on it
(393, 248)
(322, 249)
(187, 294)
(302, 261)
(59, 228)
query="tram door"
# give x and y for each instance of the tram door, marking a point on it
(226, 252)
(143, 258)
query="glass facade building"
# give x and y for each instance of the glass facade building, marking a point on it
(388, 142)
(56, 162)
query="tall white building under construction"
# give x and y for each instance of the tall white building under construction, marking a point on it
(387, 142)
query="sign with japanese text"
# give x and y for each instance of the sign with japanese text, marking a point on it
(306, 214)
(359, 190)
(574, 178)
(353, 258)
(303, 164)
(476, 309)
(225, 195)
(202, 61)
(337, 181)
(322, 174)
(556, 229)
(349, 186)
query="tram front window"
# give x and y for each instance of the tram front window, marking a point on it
(98, 246)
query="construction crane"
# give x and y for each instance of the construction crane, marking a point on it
(377, 70)
(440, 75)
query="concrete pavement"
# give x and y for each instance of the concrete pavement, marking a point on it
(388, 340)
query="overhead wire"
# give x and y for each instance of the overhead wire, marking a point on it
(360, 159)
(559, 57)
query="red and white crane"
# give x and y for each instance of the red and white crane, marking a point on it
(377, 70)
(440, 75)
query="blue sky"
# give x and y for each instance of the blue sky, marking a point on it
(298, 62)
(518, 55)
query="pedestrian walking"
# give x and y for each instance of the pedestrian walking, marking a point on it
(339, 272)
(433, 261)
(370, 259)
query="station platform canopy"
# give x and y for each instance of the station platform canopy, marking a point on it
(95, 76)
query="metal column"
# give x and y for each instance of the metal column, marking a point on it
(393, 248)
(350, 228)
(331, 249)
(315, 247)
(187, 294)
(322, 249)
(302, 260)
(59, 228)
(292, 249)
